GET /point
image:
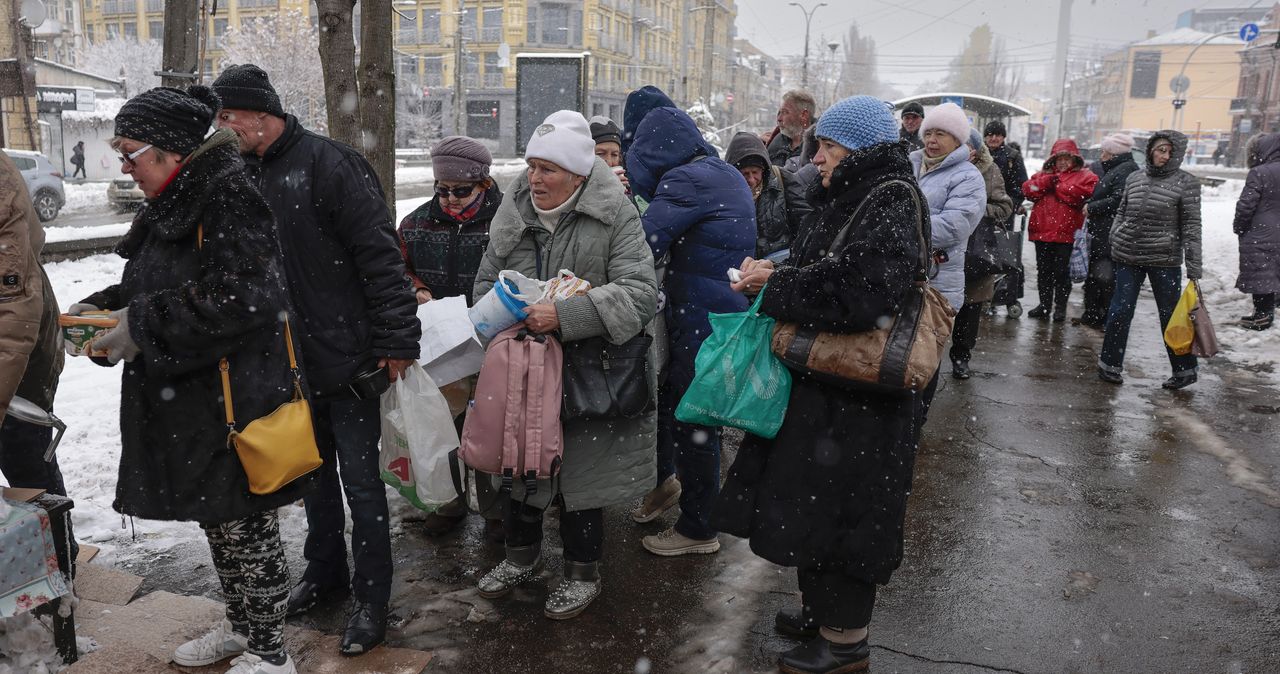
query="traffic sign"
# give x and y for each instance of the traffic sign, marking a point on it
(1179, 84)
(1249, 32)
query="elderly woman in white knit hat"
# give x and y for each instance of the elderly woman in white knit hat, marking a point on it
(569, 211)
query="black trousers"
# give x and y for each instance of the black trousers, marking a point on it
(833, 599)
(581, 531)
(1098, 292)
(964, 335)
(1053, 273)
(249, 558)
(1265, 303)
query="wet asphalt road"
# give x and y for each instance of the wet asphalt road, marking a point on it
(1058, 524)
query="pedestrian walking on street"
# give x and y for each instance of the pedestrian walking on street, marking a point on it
(797, 112)
(779, 195)
(77, 160)
(828, 495)
(442, 242)
(1156, 228)
(1059, 191)
(702, 215)
(912, 117)
(203, 281)
(358, 329)
(1257, 224)
(1100, 212)
(978, 288)
(955, 190)
(568, 211)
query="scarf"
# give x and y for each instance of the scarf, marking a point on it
(466, 212)
(928, 163)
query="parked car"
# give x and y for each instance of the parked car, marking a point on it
(124, 195)
(44, 183)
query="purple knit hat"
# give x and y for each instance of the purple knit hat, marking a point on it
(460, 159)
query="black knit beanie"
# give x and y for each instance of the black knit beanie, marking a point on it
(247, 87)
(913, 108)
(605, 130)
(995, 128)
(171, 119)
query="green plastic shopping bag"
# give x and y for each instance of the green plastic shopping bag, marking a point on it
(737, 380)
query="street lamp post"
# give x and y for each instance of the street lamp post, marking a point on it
(808, 17)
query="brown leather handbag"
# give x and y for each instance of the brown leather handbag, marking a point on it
(1205, 342)
(901, 357)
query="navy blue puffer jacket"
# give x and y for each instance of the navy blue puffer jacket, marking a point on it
(701, 211)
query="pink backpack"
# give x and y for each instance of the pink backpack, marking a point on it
(513, 423)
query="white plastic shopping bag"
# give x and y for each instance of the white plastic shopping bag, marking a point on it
(417, 436)
(450, 348)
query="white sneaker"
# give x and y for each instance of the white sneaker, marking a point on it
(252, 664)
(220, 643)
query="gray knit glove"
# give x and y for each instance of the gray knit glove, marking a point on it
(118, 343)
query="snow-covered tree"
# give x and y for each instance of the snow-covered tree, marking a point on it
(706, 122)
(136, 61)
(284, 45)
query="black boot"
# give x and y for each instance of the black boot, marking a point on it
(1041, 311)
(306, 594)
(366, 628)
(1110, 377)
(1257, 321)
(820, 656)
(1178, 381)
(793, 623)
(960, 369)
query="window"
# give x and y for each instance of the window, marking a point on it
(155, 30)
(555, 24)
(155, 5)
(24, 163)
(433, 72)
(1146, 74)
(130, 30)
(110, 6)
(468, 27)
(408, 26)
(431, 26)
(407, 66)
(471, 70)
(531, 24)
(493, 77)
(219, 27)
(113, 31)
(492, 29)
(88, 32)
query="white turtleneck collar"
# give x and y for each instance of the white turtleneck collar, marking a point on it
(551, 218)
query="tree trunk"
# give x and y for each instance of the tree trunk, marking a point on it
(338, 62)
(377, 79)
(181, 43)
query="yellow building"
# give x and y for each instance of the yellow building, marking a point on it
(1132, 88)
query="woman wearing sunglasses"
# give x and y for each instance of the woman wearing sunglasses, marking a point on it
(443, 242)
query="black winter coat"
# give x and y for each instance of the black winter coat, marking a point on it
(1158, 222)
(342, 258)
(1257, 221)
(830, 492)
(780, 209)
(1014, 171)
(442, 254)
(1106, 200)
(189, 307)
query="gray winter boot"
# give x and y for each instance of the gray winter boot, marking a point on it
(575, 592)
(522, 565)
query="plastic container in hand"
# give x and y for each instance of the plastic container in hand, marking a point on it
(78, 332)
(504, 305)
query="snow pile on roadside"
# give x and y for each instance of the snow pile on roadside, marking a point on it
(84, 197)
(54, 234)
(502, 170)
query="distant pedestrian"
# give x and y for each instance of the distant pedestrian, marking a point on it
(978, 288)
(1157, 228)
(203, 281)
(1217, 155)
(359, 330)
(779, 195)
(77, 160)
(443, 242)
(912, 117)
(702, 215)
(1257, 223)
(1008, 157)
(798, 111)
(956, 193)
(1059, 191)
(1100, 212)
(828, 496)
(567, 211)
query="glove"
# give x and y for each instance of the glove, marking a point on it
(118, 343)
(80, 308)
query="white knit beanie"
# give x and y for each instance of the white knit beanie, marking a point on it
(564, 139)
(947, 117)
(1118, 143)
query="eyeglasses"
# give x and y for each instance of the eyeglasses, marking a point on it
(455, 192)
(911, 114)
(131, 159)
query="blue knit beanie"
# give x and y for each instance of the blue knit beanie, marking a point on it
(857, 122)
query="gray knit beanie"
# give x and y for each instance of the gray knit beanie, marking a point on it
(459, 158)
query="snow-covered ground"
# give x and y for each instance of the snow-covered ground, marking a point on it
(84, 197)
(502, 169)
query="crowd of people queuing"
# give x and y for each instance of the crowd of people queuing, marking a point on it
(263, 220)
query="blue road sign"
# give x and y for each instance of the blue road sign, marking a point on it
(958, 100)
(1249, 32)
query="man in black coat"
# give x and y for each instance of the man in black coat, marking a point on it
(1014, 172)
(358, 316)
(797, 112)
(1117, 164)
(912, 118)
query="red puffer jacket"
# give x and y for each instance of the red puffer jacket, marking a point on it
(1059, 196)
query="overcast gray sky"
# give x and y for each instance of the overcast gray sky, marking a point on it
(915, 44)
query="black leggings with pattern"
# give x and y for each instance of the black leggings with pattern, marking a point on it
(251, 565)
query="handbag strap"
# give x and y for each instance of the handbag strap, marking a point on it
(224, 367)
(842, 237)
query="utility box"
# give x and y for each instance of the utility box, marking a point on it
(545, 83)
